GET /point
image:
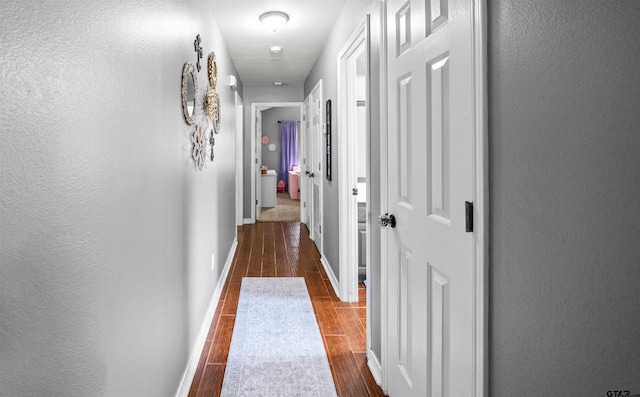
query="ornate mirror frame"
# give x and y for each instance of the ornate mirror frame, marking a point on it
(189, 72)
(212, 67)
(217, 116)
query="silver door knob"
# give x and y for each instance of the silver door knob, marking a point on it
(387, 220)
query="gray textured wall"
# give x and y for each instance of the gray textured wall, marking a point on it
(564, 125)
(106, 228)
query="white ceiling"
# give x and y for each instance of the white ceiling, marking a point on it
(310, 22)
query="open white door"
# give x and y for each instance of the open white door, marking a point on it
(432, 271)
(258, 163)
(353, 151)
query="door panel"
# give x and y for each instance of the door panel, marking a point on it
(438, 139)
(430, 141)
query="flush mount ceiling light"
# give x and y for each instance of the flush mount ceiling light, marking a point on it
(276, 49)
(274, 20)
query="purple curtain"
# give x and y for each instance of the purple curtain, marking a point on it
(289, 149)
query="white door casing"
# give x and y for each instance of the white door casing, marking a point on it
(347, 108)
(256, 150)
(239, 157)
(436, 162)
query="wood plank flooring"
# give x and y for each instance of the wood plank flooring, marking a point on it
(285, 250)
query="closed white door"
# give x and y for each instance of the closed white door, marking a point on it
(305, 182)
(316, 174)
(430, 177)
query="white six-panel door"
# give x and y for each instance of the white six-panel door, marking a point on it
(305, 181)
(430, 176)
(316, 175)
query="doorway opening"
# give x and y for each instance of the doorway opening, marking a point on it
(280, 166)
(353, 115)
(266, 141)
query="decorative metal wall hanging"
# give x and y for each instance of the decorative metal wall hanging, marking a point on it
(212, 108)
(199, 140)
(212, 142)
(217, 117)
(198, 49)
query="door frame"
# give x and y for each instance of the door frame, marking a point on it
(255, 108)
(347, 172)
(239, 156)
(480, 199)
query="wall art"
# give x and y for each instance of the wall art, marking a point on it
(212, 142)
(199, 141)
(189, 93)
(211, 105)
(198, 49)
(212, 68)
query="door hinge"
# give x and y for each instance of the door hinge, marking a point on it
(256, 202)
(468, 217)
(354, 191)
(304, 205)
(320, 229)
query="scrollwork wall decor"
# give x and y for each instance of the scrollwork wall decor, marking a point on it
(212, 142)
(198, 49)
(211, 105)
(217, 118)
(199, 151)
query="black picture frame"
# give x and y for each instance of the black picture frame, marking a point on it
(328, 137)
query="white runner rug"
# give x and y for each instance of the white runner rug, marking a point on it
(276, 347)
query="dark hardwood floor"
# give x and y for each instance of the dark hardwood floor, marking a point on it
(285, 250)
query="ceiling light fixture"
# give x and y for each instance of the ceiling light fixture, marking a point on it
(274, 20)
(276, 49)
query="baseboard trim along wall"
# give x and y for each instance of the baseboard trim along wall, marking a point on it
(247, 221)
(201, 339)
(374, 366)
(332, 277)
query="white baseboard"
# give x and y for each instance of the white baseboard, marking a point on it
(201, 339)
(332, 277)
(247, 221)
(374, 366)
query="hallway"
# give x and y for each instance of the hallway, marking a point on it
(285, 250)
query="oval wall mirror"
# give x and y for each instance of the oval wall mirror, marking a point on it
(189, 93)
